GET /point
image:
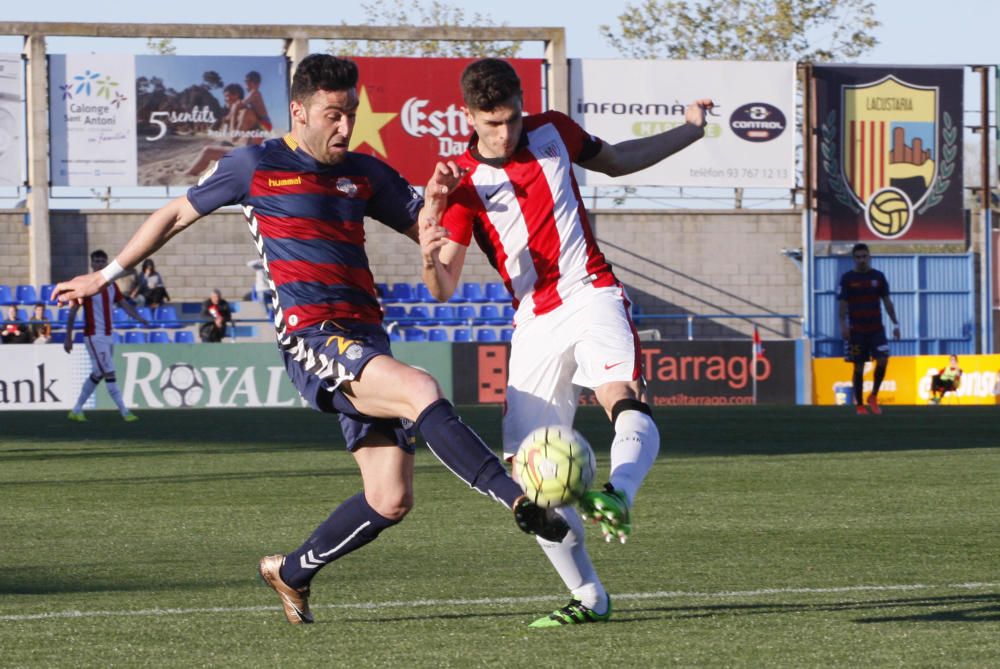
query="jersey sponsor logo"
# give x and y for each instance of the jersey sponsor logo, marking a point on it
(351, 347)
(347, 187)
(277, 183)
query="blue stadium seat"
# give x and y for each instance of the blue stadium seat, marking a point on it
(78, 337)
(63, 314)
(20, 314)
(159, 337)
(489, 314)
(136, 337)
(394, 312)
(45, 294)
(506, 334)
(382, 290)
(234, 306)
(467, 314)
(495, 292)
(403, 292)
(6, 296)
(486, 334)
(145, 313)
(26, 294)
(462, 334)
(415, 334)
(473, 292)
(121, 319)
(116, 337)
(166, 317)
(421, 315)
(48, 314)
(58, 338)
(445, 314)
(184, 337)
(424, 293)
(508, 313)
(395, 336)
(437, 334)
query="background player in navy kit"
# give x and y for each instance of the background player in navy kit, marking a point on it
(305, 197)
(861, 291)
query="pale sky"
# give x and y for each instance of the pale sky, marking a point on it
(956, 32)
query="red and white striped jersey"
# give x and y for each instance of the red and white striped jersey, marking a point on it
(97, 311)
(528, 217)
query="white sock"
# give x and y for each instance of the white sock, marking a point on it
(633, 451)
(573, 564)
(85, 393)
(116, 395)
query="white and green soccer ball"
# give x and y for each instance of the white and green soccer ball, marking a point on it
(555, 466)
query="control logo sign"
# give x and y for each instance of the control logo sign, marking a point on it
(757, 122)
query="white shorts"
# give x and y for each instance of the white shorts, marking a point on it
(102, 355)
(584, 343)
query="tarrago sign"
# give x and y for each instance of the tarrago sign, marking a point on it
(677, 373)
(908, 380)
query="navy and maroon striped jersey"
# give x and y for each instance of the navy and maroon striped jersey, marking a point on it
(863, 292)
(307, 220)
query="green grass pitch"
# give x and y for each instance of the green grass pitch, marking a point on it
(763, 537)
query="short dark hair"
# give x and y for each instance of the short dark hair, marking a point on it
(488, 83)
(253, 76)
(860, 246)
(235, 89)
(98, 253)
(323, 72)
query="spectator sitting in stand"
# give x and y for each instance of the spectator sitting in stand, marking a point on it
(150, 290)
(15, 330)
(39, 326)
(946, 380)
(217, 310)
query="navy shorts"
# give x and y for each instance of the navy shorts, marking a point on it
(321, 358)
(865, 346)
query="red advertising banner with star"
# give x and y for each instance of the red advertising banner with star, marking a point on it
(410, 113)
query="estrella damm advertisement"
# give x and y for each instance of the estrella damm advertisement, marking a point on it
(889, 159)
(908, 380)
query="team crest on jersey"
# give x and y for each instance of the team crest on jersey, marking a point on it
(550, 150)
(347, 187)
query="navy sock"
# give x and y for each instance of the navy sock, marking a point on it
(352, 525)
(464, 453)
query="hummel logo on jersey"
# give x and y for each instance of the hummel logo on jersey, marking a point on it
(489, 196)
(614, 364)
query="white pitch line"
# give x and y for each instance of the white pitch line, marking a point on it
(493, 601)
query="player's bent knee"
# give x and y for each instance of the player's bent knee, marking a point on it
(391, 505)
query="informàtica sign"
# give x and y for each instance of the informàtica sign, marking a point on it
(158, 120)
(889, 164)
(750, 136)
(11, 119)
(411, 114)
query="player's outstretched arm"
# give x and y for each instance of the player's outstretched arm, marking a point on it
(151, 235)
(442, 259)
(638, 154)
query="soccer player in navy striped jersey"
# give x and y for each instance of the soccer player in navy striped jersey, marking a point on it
(305, 197)
(860, 297)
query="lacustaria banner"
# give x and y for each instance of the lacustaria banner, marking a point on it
(889, 158)
(411, 114)
(158, 120)
(11, 119)
(749, 138)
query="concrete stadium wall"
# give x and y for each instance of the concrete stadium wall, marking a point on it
(671, 262)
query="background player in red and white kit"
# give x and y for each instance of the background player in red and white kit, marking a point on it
(98, 335)
(520, 201)
(305, 197)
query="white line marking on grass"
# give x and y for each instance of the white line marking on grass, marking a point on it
(493, 601)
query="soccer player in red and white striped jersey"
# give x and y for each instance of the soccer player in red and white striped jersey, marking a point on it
(98, 335)
(519, 200)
